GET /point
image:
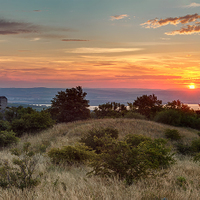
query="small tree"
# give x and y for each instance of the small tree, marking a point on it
(147, 105)
(70, 105)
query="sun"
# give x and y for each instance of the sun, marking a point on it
(192, 86)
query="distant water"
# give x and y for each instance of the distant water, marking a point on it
(193, 106)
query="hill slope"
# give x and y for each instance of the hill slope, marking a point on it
(70, 182)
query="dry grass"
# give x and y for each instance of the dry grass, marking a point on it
(73, 184)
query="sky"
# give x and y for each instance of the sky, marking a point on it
(100, 44)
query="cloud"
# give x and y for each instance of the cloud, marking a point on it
(155, 23)
(192, 5)
(11, 27)
(117, 17)
(150, 77)
(74, 40)
(190, 29)
(103, 50)
(37, 10)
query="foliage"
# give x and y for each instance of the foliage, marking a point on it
(181, 181)
(4, 125)
(172, 134)
(70, 105)
(113, 110)
(71, 154)
(22, 174)
(33, 122)
(171, 117)
(147, 105)
(91, 138)
(7, 138)
(183, 149)
(134, 115)
(132, 158)
(196, 145)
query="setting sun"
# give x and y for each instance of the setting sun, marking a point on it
(191, 86)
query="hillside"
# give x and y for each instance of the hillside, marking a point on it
(71, 182)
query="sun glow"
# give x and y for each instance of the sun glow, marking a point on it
(192, 86)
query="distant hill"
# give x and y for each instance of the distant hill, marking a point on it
(98, 96)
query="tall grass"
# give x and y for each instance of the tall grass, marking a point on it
(70, 182)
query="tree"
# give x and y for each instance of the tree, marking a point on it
(70, 105)
(147, 105)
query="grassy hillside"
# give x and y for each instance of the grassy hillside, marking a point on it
(181, 181)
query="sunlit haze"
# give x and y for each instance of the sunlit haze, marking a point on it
(100, 44)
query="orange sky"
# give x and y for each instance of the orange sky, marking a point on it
(148, 44)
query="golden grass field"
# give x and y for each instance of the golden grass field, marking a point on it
(71, 182)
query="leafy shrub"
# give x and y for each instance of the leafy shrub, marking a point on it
(7, 137)
(71, 154)
(4, 125)
(22, 174)
(134, 115)
(172, 134)
(89, 139)
(171, 117)
(181, 181)
(183, 149)
(195, 146)
(131, 160)
(33, 122)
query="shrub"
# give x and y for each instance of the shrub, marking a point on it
(33, 122)
(134, 115)
(7, 138)
(4, 125)
(128, 161)
(195, 146)
(71, 154)
(171, 117)
(181, 181)
(172, 134)
(89, 139)
(183, 149)
(22, 174)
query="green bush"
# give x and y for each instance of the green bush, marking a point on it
(4, 125)
(71, 154)
(33, 122)
(7, 138)
(22, 173)
(89, 139)
(195, 146)
(134, 115)
(131, 160)
(171, 117)
(183, 149)
(172, 134)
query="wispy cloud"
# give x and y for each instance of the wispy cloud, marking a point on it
(190, 29)
(117, 17)
(8, 27)
(155, 23)
(37, 10)
(74, 40)
(192, 5)
(102, 50)
(185, 30)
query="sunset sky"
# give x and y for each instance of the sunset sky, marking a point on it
(100, 43)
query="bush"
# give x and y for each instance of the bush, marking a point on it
(7, 138)
(184, 149)
(171, 117)
(22, 174)
(172, 134)
(71, 154)
(131, 160)
(33, 122)
(195, 146)
(89, 139)
(4, 125)
(134, 115)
